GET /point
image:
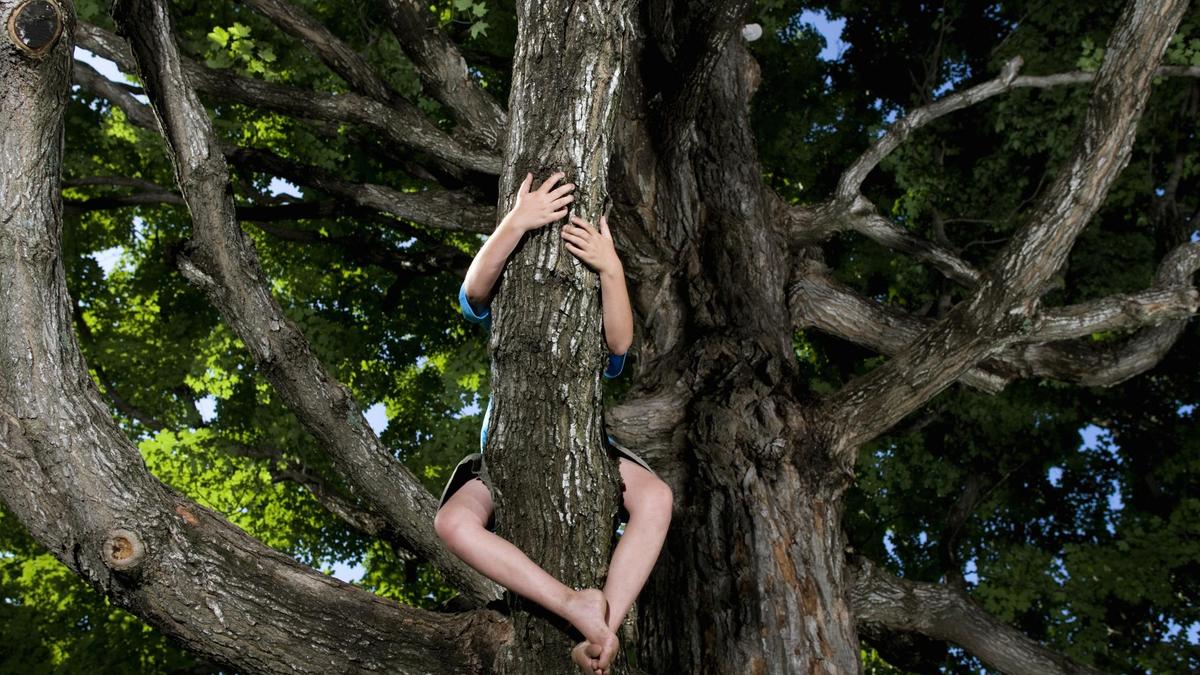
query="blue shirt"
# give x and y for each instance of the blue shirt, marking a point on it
(613, 367)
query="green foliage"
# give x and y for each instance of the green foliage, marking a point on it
(1087, 548)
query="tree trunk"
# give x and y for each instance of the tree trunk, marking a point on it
(753, 577)
(554, 486)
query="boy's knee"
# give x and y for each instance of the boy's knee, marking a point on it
(448, 524)
(663, 498)
(656, 500)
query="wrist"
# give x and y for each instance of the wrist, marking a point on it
(513, 223)
(612, 272)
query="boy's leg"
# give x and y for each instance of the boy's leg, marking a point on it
(648, 500)
(461, 524)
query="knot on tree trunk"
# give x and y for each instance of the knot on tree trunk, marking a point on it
(34, 27)
(122, 550)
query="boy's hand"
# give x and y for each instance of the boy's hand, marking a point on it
(594, 248)
(533, 209)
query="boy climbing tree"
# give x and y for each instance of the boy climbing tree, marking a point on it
(465, 521)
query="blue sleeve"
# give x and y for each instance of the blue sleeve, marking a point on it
(469, 311)
(616, 363)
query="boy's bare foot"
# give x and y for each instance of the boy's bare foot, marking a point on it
(584, 655)
(587, 611)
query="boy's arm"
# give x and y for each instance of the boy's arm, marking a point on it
(597, 251)
(531, 210)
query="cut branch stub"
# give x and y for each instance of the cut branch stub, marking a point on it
(123, 550)
(35, 26)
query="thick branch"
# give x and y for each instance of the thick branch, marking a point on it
(445, 73)
(820, 301)
(435, 208)
(81, 488)
(340, 58)
(400, 123)
(88, 78)
(221, 260)
(864, 218)
(1002, 308)
(1158, 313)
(852, 180)
(938, 611)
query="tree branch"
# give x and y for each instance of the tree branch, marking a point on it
(221, 260)
(371, 250)
(336, 54)
(82, 489)
(441, 209)
(445, 73)
(1001, 309)
(89, 78)
(457, 210)
(817, 300)
(852, 179)
(400, 123)
(864, 218)
(1158, 313)
(937, 611)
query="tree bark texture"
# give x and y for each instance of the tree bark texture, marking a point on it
(751, 579)
(554, 485)
(645, 107)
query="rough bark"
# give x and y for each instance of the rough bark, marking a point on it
(751, 579)
(555, 487)
(84, 492)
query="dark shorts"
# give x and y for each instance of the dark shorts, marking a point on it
(471, 466)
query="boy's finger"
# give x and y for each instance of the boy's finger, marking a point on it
(583, 224)
(549, 182)
(559, 215)
(562, 190)
(604, 226)
(525, 184)
(562, 201)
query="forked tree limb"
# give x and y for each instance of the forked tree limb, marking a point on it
(400, 122)
(441, 209)
(334, 52)
(446, 74)
(817, 300)
(1000, 311)
(941, 612)
(82, 489)
(221, 260)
